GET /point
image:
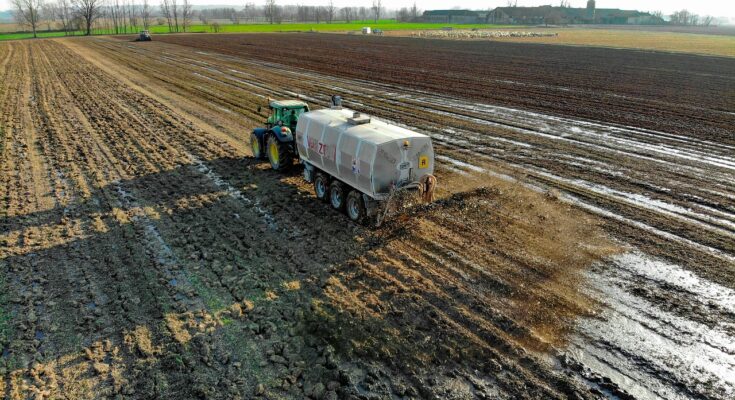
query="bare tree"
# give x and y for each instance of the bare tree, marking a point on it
(682, 17)
(170, 10)
(63, 14)
(48, 15)
(347, 14)
(89, 11)
(414, 12)
(302, 13)
(377, 9)
(186, 14)
(115, 15)
(250, 11)
(145, 14)
(166, 11)
(137, 16)
(121, 16)
(28, 13)
(270, 10)
(235, 17)
(330, 11)
(133, 16)
(708, 20)
(175, 13)
(403, 15)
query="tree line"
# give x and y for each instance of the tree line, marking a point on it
(109, 16)
(275, 13)
(685, 17)
(128, 16)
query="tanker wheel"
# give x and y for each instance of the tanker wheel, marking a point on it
(256, 147)
(278, 154)
(355, 207)
(321, 187)
(337, 195)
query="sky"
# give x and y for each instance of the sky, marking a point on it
(717, 8)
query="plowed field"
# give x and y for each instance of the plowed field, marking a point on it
(583, 245)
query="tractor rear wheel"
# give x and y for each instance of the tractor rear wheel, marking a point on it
(321, 187)
(256, 147)
(278, 154)
(355, 207)
(337, 195)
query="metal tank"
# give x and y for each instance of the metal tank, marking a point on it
(367, 154)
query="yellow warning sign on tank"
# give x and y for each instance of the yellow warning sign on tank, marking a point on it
(423, 162)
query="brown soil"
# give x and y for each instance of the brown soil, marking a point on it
(675, 93)
(146, 255)
(147, 258)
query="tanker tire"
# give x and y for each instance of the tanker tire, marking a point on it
(337, 195)
(355, 207)
(256, 147)
(321, 187)
(278, 154)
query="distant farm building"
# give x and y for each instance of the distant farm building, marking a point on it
(543, 15)
(455, 16)
(568, 15)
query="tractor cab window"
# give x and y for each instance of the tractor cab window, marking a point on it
(276, 115)
(291, 116)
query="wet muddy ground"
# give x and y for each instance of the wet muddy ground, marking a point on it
(146, 255)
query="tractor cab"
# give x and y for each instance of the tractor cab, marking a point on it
(276, 139)
(285, 113)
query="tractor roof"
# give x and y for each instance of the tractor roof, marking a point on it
(287, 104)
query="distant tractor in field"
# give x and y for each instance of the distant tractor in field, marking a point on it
(276, 139)
(144, 36)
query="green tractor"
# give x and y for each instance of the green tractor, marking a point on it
(276, 139)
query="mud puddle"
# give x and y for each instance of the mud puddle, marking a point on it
(641, 344)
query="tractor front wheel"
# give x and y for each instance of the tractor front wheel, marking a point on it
(256, 147)
(278, 154)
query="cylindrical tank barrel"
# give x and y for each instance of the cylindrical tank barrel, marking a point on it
(370, 155)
